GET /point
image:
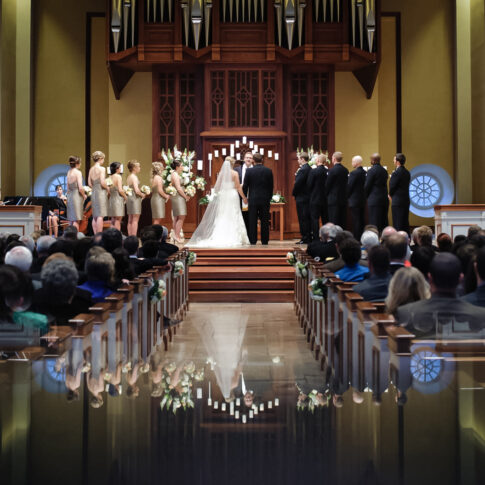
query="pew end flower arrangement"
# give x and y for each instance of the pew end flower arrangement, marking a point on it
(191, 258)
(317, 289)
(291, 258)
(178, 269)
(158, 291)
(301, 269)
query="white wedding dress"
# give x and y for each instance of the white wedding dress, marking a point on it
(222, 225)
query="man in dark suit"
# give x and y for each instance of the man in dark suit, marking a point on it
(241, 171)
(397, 245)
(356, 196)
(318, 201)
(375, 287)
(259, 183)
(302, 197)
(443, 315)
(336, 190)
(376, 193)
(399, 194)
(477, 297)
(325, 248)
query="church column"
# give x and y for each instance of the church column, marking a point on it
(463, 100)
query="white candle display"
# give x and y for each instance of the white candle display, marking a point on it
(232, 151)
(210, 156)
(261, 407)
(238, 156)
(210, 381)
(244, 140)
(251, 414)
(237, 415)
(238, 402)
(276, 401)
(200, 165)
(216, 404)
(199, 393)
(270, 153)
(244, 419)
(224, 152)
(276, 156)
(270, 405)
(223, 406)
(209, 402)
(261, 150)
(256, 411)
(251, 144)
(231, 408)
(210, 168)
(256, 148)
(216, 153)
(237, 143)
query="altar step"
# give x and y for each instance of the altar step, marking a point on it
(241, 276)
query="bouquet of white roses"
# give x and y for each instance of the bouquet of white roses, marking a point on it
(128, 190)
(171, 190)
(191, 258)
(190, 190)
(200, 183)
(317, 289)
(178, 269)
(278, 199)
(301, 269)
(88, 190)
(291, 258)
(144, 189)
(109, 182)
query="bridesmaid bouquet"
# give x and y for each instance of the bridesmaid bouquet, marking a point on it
(109, 182)
(88, 190)
(190, 190)
(128, 190)
(171, 190)
(144, 189)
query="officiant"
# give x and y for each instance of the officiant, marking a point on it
(241, 171)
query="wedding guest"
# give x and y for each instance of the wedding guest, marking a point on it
(43, 245)
(99, 197)
(111, 239)
(445, 245)
(131, 244)
(133, 204)
(421, 259)
(356, 196)
(75, 193)
(350, 252)
(100, 269)
(336, 191)
(117, 196)
(376, 192)
(316, 188)
(165, 249)
(302, 197)
(375, 287)
(159, 196)
(398, 246)
(60, 213)
(179, 201)
(16, 292)
(477, 297)
(20, 257)
(325, 248)
(399, 194)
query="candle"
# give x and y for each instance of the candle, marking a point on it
(251, 414)
(223, 406)
(210, 173)
(237, 415)
(238, 156)
(256, 147)
(231, 408)
(210, 156)
(251, 144)
(244, 418)
(270, 405)
(209, 389)
(276, 401)
(261, 150)
(256, 410)
(199, 164)
(238, 402)
(232, 149)
(199, 393)
(261, 407)
(224, 152)
(276, 156)
(216, 404)
(209, 402)
(244, 140)
(216, 153)
(270, 153)
(237, 143)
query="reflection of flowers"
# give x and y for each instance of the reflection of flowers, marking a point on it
(109, 182)
(158, 291)
(191, 258)
(278, 199)
(301, 269)
(88, 190)
(144, 189)
(312, 400)
(178, 269)
(317, 288)
(171, 190)
(291, 258)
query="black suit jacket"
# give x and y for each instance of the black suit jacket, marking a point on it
(376, 185)
(259, 183)
(399, 186)
(477, 297)
(322, 250)
(316, 185)
(336, 185)
(300, 190)
(355, 188)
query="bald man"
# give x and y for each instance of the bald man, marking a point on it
(376, 193)
(356, 196)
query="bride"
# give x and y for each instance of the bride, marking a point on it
(222, 225)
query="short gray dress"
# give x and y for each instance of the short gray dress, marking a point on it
(133, 204)
(179, 206)
(116, 206)
(99, 200)
(157, 203)
(75, 211)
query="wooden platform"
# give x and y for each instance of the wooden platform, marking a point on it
(249, 275)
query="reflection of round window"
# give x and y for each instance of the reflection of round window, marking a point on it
(425, 366)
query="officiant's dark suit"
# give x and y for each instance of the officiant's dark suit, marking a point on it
(241, 171)
(376, 193)
(356, 198)
(399, 192)
(318, 200)
(336, 190)
(302, 198)
(258, 188)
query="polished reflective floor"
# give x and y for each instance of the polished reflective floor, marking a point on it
(239, 398)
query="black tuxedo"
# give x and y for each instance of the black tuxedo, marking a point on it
(399, 191)
(302, 199)
(336, 190)
(259, 183)
(356, 198)
(376, 193)
(245, 214)
(318, 201)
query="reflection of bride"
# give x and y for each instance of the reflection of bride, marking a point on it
(222, 225)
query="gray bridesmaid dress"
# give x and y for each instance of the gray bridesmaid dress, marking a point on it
(75, 211)
(133, 204)
(99, 199)
(157, 203)
(116, 207)
(179, 205)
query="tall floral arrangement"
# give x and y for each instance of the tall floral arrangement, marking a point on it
(189, 182)
(312, 155)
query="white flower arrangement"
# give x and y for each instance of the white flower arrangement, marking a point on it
(317, 289)
(291, 258)
(178, 269)
(301, 269)
(190, 190)
(171, 190)
(191, 259)
(109, 182)
(277, 199)
(312, 155)
(88, 190)
(200, 183)
(158, 291)
(144, 189)
(128, 190)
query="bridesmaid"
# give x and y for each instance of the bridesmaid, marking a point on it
(133, 205)
(99, 197)
(117, 196)
(159, 196)
(179, 201)
(75, 193)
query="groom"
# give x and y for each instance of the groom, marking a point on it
(259, 183)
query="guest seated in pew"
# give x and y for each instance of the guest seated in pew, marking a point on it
(375, 287)
(111, 239)
(21, 257)
(421, 259)
(406, 286)
(477, 297)
(325, 248)
(71, 233)
(398, 246)
(338, 263)
(443, 315)
(165, 249)
(59, 298)
(43, 245)
(100, 270)
(368, 240)
(150, 251)
(445, 245)
(139, 265)
(386, 233)
(124, 271)
(424, 237)
(350, 252)
(64, 246)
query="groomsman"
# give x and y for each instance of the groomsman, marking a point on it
(376, 193)
(356, 196)
(399, 194)
(302, 198)
(247, 164)
(336, 190)
(258, 182)
(318, 202)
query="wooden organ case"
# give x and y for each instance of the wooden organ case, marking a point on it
(224, 69)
